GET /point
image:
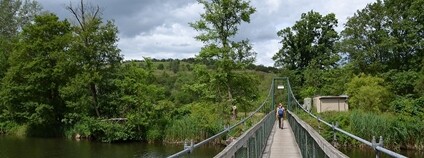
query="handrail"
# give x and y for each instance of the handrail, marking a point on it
(241, 141)
(300, 127)
(378, 148)
(190, 149)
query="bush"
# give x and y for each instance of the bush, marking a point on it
(368, 93)
(398, 131)
(408, 106)
(12, 128)
(201, 123)
(155, 134)
(105, 131)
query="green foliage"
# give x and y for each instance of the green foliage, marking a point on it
(309, 43)
(18, 130)
(30, 90)
(402, 82)
(408, 106)
(420, 83)
(334, 80)
(201, 123)
(102, 130)
(95, 58)
(14, 15)
(384, 39)
(308, 54)
(161, 67)
(368, 93)
(385, 36)
(308, 92)
(217, 26)
(6, 127)
(71, 78)
(397, 130)
(343, 119)
(174, 66)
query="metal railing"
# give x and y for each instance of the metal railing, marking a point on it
(253, 142)
(378, 147)
(259, 131)
(310, 142)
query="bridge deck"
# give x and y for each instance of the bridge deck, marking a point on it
(283, 143)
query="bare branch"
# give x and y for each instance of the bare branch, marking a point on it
(74, 12)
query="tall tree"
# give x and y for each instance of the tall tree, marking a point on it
(95, 55)
(308, 49)
(310, 42)
(31, 84)
(14, 14)
(385, 35)
(218, 24)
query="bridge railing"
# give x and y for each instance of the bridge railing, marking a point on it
(255, 134)
(253, 142)
(310, 142)
(376, 146)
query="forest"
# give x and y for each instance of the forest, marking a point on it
(62, 78)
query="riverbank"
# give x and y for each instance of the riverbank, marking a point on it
(400, 133)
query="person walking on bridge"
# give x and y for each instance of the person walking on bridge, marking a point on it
(280, 115)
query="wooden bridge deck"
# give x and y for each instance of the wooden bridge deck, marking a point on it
(281, 143)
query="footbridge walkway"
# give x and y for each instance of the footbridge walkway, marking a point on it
(297, 138)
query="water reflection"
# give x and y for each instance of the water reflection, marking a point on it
(12, 147)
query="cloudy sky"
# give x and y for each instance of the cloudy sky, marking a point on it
(159, 28)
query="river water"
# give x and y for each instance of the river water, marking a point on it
(370, 153)
(12, 147)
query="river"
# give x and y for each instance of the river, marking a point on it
(369, 153)
(13, 147)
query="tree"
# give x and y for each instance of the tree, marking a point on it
(385, 35)
(174, 65)
(161, 67)
(368, 93)
(218, 24)
(310, 42)
(308, 49)
(95, 55)
(37, 71)
(14, 15)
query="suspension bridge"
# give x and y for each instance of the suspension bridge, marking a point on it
(297, 139)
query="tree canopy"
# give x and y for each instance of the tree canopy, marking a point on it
(218, 24)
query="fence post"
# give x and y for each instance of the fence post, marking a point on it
(335, 144)
(380, 143)
(319, 125)
(375, 144)
(189, 147)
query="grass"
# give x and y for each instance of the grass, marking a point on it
(398, 132)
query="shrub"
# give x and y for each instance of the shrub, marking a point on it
(105, 131)
(368, 93)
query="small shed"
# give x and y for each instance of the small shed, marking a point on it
(331, 103)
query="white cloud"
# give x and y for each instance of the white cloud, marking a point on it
(266, 49)
(190, 12)
(160, 28)
(166, 41)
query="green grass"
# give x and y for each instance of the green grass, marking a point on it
(398, 132)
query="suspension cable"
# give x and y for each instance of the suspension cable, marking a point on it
(379, 148)
(191, 148)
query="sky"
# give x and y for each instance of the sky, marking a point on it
(160, 28)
